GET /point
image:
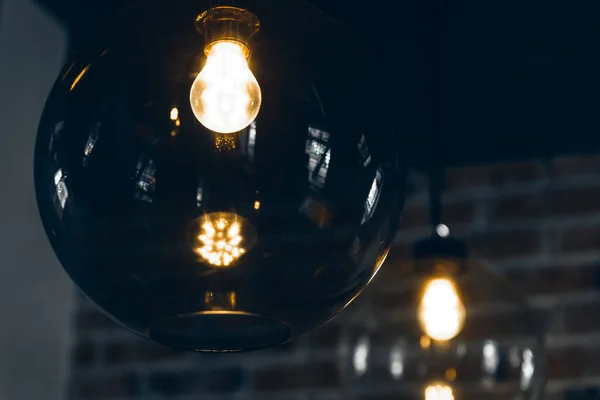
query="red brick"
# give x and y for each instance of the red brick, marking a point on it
(462, 177)
(327, 336)
(414, 216)
(581, 238)
(502, 245)
(561, 202)
(224, 380)
(554, 396)
(395, 300)
(521, 324)
(517, 172)
(405, 396)
(397, 266)
(417, 215)
(565, 363)
(582, 317)
(282, 378)
(554, 280)
(220, 380)
(576, 165)
(140, 350)
(84, 354)
(458, 213)
(493, 174)
(125, 385)
(517, 208)
(575, 201)
(399, 254)
(172, 384)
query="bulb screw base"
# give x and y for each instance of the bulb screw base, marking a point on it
(436, 254)
(227, 23)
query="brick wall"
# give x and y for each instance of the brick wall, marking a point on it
(537, 222)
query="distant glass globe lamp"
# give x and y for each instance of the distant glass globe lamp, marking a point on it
(219, 178)
(459, 332)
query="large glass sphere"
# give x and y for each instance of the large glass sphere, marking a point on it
(459, 332)
(209, 241)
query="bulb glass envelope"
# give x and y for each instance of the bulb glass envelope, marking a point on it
(126, 178)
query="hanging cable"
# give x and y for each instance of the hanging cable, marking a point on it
(436, 163)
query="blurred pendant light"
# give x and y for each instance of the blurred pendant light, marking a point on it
(461, 331)
(200, 178)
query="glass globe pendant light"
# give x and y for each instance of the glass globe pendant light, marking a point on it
(460, 332)
(206, 176)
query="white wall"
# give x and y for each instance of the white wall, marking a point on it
(35, 294)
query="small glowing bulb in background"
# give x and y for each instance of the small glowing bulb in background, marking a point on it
(174, 114)
(441, 312)
(223, 238)
(225, 96)
(439, 392)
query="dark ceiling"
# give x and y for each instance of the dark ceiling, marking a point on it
(497, 79)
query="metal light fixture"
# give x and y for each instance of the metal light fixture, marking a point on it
(219, 178)
(461, 331)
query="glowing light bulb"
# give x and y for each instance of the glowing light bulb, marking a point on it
(225, 96)
(439, 392)
(441, 312)
(174, 114)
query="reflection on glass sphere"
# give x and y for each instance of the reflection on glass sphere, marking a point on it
(209, 241)
(222, 238)
(459, 331)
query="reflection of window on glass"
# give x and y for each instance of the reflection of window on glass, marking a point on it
(491, 357)
(145, 179)
(373, 197)
(319, 155)
(527, 369)
(396, 362)
(251, 139)
(61, 187)
(91, 142)
(199, 193)
(363, 151)
(56, 133)
(360, 357)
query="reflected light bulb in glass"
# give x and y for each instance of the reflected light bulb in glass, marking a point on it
(220, 239)
(441, 312)
(225, 97)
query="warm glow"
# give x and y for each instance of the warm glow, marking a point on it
(441, 312)
(78, 77)
(174, 114)
(439, 392)
(257, 205)
(451, 374)
(225, 97)
(221, 238)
